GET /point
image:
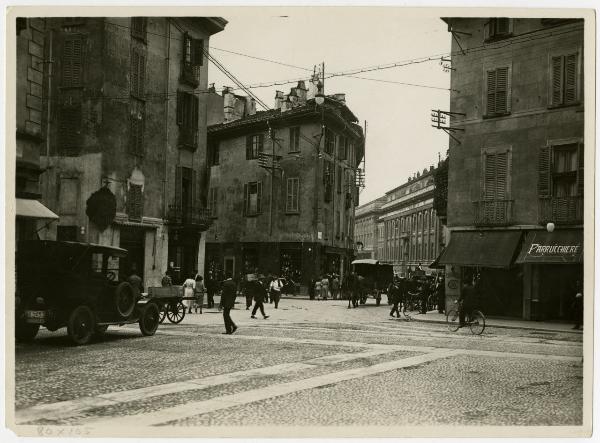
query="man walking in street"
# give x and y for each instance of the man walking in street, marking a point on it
(228, 301)
(259, 292)
(395, 297)
(275, 289)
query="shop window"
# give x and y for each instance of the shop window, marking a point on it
(292, 195)
(138, 27)
(564, 84)
(497, 28)
(135, 202)
(138, 73)
(187, 119)
(294, 139)
(72, 62)
(254, 145)
(498, 91)
(252, 198)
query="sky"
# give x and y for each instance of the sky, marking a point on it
(400, 139)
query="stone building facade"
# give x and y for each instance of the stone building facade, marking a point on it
(32, 217)
(128, 118)
(518, 165)
(365, 228)
(297, 219)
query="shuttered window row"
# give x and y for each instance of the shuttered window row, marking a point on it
(498, 91)
(564, 84)
(292, 195)
(72, 62)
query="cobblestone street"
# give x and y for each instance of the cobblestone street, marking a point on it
(365, 368)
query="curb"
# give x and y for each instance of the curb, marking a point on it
(492, 325)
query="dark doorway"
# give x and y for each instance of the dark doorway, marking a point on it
(132, 239)
(183, 254)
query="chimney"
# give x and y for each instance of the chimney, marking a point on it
(340, 97)
(250, 106)
(424, 171)
(301, 92)
(292, 98)
(430, 168)
(314, 86)
(228, 104)
(278, 99)
(211, 88)
(286, 105)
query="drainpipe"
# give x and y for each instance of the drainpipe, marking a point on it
(167, 68)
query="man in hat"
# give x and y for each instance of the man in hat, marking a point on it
(228, 301)
(258, 292)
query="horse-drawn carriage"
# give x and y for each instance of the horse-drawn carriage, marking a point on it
(373, 278)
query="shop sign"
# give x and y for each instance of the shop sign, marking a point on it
(541, 250)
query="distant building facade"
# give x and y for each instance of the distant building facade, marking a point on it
(127, 137)
(518, 165)
(365, 228)
(296, 220)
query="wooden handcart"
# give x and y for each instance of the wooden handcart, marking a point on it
(170, 302)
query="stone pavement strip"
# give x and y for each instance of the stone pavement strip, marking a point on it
(201, 407)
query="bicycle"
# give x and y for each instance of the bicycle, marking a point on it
(475, 320)
(410, 304)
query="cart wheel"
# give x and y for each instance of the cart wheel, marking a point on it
(176, 312)
(162, 314)
(149, 319)
(25, 332)
(81, 325)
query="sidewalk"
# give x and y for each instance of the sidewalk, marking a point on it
(436, 317)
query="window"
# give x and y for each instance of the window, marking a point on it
(185, 189)
(328, 179)
(498, 95)
(69, 129)
(137, 124)
(72, 62)
(565, 78)
(253, 197)
(329, 141)
(560, 170)
(294, 139)
(138, 73)
(338, 224)
(497, 28)
(340, 179)
(293, 195)
(187, 119)
(193, 59)
(135, 202)
(213, 154)
(496, 171)
(138, 27)
(212, 201)
(254, 145)
(343, 148)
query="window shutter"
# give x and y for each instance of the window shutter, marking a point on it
(544, 172)
(570, 78)
(248, 147)
(196, 112)
(297, 194)
(491, 93)
(289, 195)
(195, 193)
(246, 200)
(134, 72)
(503, 25)
(489, 178)
(501, 175)
(186, 43)
(180, 107)
(557, 80)
(580, 174)
(486, 30)
(501, 90)
(178, 186)
(197, 52)
(77, 62)
(261, 142)
(72, 62)
(259, 189)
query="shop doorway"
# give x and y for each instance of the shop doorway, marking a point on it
(229, 266)
(557, 287)
(132, 239)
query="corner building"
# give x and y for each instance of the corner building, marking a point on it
(128, 119)
(296, 219)
(515, 183)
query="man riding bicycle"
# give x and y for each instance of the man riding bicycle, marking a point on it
(466, 302)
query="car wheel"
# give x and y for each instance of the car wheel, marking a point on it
(149, 319)
(81, 325)
(25, 332)
(124, 299)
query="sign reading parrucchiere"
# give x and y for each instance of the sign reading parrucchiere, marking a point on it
(562, 246)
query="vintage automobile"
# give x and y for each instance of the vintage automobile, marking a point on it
(76, 285)
(374, 278)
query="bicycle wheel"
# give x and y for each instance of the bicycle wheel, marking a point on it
(477, 323)
(453, 321)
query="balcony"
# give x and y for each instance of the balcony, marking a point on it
(493, 212)
(190, 74)
(189, 216)
(561, 210)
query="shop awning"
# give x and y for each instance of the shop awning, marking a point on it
(488, 249)
(562, 246)
(34, 209)
(436, 263)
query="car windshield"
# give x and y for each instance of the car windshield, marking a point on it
(103, 262)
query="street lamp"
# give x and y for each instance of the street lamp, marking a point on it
(319, 99)
(550, 227)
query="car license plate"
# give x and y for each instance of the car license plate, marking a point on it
(35, 316)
